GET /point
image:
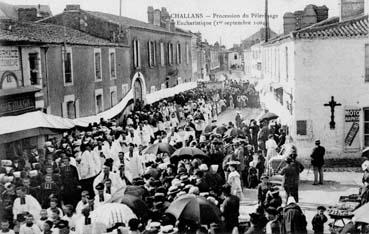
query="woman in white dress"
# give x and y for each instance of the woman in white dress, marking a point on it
(234, 179)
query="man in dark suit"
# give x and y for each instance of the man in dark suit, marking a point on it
(317, 160)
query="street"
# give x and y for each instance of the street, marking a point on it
(337, 183)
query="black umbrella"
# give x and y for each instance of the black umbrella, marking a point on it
(135, 203)
(159, 148)
(187, 153)
(268, 116)
(220, 130)
(194, 208)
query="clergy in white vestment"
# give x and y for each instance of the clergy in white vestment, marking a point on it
(29, 227)
(116, 181)
(89, 165)
(132, 163)
(101, 197)
(25, 203)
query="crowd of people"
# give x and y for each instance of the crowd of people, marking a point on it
(56, 189)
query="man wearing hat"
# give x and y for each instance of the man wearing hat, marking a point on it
(101, 197)
(319, 220)
(317, 160)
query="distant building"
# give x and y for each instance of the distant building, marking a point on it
(159, 55)
(234, 60)
(304, 69)
(24, 12)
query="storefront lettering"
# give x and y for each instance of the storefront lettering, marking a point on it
(16, 105)
(352, 115)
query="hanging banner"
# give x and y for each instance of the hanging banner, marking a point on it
(351, 131)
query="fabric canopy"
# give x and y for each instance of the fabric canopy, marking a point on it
(14, 127)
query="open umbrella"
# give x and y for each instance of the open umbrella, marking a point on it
(268, 116)
(209, 128)
(194, 208)
(159, 148)
(362, 214)
(109, 214)
(136, 204)
(365, 153)
(220, 130)
(188, 153)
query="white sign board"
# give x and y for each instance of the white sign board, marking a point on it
(9, 58)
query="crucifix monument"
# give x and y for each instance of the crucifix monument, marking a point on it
(332, 104)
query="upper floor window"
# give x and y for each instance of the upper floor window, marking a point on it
(286, 54)
(162, 59)
(170, 53)
(34, 68)
(136, 53)
(187, 54)
(67, 66)
(112, 63)
(97, 62)
(179, 54)
(152, 53)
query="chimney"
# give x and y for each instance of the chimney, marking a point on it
(72, 7)
(27, 14)
(321, 13)
(289, 22)
(309, 17)
(150, 15)
(172, 26)
(157, 17)
(351, 8)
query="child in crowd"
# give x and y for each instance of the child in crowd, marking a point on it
(319, 220)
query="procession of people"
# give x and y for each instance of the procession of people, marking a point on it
(170, 166)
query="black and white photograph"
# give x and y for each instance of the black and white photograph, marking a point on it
(184, 117)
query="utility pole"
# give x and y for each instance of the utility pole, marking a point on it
(120, 7)
(266, 21)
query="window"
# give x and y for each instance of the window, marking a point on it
(136, 54)
(187, 54)
(34, 67)
(97, 62)
(301, 127)
(235, 56)
(99, 101)
(125, 89)
(162, 60)
(113, 96)
(170, 53)
(286, 64)
(179, 54)
(152, 53)
(71, 112)
(366, 127)
(367, 63)
(67, 66)
(112, 64)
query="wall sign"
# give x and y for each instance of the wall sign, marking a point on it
(352, 126)
(9, 58)
(16, 104)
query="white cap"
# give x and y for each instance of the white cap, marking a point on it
(214, 167)
(291, 200)
(203, 167)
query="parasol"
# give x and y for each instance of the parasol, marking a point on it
(194, 208)
(159, 148)
(109, 214)
(362, 214)
(268, 116)
(134, 203)
(188, 153)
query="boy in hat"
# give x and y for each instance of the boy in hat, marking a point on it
(319, 220)
(101, 197)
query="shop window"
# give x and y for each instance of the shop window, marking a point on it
(301, 127)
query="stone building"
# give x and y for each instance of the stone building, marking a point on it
(307, 68)
(160, 53)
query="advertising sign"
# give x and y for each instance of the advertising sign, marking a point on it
(9, 58)
(352, 126)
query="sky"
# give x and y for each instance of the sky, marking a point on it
(213, 26)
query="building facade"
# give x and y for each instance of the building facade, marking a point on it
(159, 54)
(316, 81)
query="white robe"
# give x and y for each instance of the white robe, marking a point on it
(116, 181)
(29, 230)
(80, 206)
(271, 147)
(235, 182)
(32, 206)
(115, 149)
(89, 166)
(133, 165)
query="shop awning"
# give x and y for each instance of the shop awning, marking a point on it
(8, 92)
(21, 126)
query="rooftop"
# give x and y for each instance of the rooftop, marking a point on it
(133, 22)
(31, 32)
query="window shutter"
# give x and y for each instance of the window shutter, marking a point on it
(64, 110)
(76, 107)
(138, 53)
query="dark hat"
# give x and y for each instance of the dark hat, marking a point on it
(264, 176)
(317, 141)
(159, 196)
(322, 208)
(107, 163)
(99, 186)
(271, 210)
(50, 223)
(62, 224)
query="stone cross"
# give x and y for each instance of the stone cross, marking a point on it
(332, 104)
